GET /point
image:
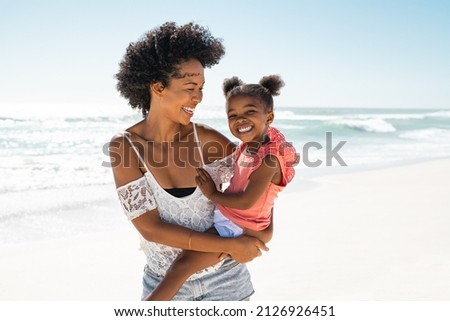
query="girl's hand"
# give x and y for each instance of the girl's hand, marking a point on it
(205, 182)
(246, 248)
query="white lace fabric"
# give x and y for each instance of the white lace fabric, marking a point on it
(136, 198)
(194, 211)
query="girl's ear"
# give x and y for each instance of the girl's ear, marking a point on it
(270, 117)
(157, 88)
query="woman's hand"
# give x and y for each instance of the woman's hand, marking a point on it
(246, 248)
(205, 182)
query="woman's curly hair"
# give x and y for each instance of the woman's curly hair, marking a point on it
(157, 55)
(268, 86)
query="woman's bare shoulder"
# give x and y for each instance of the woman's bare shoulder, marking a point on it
(215, 144)
(132, 132)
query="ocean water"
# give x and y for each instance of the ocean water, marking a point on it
(54, 182)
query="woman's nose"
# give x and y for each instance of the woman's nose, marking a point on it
(197, 97)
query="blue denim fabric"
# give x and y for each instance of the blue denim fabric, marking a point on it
(231, 282)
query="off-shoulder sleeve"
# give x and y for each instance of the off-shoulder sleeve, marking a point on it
(136, 198)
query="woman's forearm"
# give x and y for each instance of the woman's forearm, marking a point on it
(155, 230)
(243, 249)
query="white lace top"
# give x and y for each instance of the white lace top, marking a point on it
(194, 211)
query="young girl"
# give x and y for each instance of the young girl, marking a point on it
(263, 167)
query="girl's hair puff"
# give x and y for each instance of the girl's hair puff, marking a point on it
(268, 87)
(230, 83)
(272, 83)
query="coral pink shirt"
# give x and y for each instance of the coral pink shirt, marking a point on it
(258, 217)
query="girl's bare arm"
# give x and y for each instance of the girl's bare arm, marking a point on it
(258, 182)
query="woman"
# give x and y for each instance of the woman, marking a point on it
(155, 161)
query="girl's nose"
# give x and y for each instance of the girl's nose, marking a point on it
(240, 118)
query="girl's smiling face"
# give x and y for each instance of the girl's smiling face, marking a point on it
(248, 118)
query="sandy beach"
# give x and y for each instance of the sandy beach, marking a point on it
(374, 235)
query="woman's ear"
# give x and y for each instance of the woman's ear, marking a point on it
(270, 117)
(156, 88)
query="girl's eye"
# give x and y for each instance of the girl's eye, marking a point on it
(231, 116)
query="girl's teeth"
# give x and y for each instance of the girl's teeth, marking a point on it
(244, 129)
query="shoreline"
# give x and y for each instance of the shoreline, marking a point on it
(65, 205)
(300, 183)
(379, 234)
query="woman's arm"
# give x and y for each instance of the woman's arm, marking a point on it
(126, 168)
(258, 182)
(242, 249)
(263, 235)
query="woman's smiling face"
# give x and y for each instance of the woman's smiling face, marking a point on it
(185, 90)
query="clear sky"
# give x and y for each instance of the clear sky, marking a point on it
(331, 53)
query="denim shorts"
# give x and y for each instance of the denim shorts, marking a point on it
(231, 282)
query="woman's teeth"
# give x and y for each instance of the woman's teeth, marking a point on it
(188, 110)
